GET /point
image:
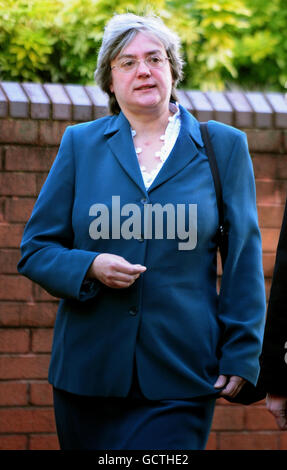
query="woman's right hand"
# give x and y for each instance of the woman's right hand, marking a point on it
(114, 271)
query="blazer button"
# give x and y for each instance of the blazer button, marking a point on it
(144, 200)
(133, 311)
(141, 239)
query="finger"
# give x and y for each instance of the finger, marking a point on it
(239, 388)
(221, 381)
(119, 276)
(230, 390)
(116, 263)
(128, 268)
(233, 386)
(119, 280)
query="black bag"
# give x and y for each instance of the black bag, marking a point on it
(249, 393)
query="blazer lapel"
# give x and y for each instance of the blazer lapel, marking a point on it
(183, 151)
(121, 144)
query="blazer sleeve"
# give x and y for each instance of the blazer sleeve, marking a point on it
(242, 301)
(48, 256)
(273, 374)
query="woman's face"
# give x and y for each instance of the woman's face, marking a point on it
(143, 89)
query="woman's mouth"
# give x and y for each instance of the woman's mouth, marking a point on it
(144, 87)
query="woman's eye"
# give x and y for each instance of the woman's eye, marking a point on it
(154, 59)
(128, 64)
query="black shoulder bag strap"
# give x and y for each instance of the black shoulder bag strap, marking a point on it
(222, 231)
(249, 393)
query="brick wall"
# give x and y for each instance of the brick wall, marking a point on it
(32, 120)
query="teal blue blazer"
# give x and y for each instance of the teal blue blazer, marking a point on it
(172, 320)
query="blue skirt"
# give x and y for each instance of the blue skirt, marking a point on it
(133, 422)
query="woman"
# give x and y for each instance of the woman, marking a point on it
(124, 233)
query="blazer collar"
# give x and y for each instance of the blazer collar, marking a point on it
(191, 126)
(121, 143)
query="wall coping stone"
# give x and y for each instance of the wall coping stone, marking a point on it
(40, 104)
(72, 102)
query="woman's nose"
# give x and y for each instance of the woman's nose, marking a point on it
(143, 69)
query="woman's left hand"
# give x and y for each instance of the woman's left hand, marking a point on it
(232, 385)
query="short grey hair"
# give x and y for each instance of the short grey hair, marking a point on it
(119, 31)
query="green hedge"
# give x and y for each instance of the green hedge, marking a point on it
(226, 43)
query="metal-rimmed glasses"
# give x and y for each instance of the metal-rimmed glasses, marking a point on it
(129, 64)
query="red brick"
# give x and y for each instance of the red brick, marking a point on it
(270, 237)
(41, 294)
(28, 314)
(44, 442)
(18, 209)
(259, 403)
(29, 158)
(270, 166)
(40, 180)
(42, 340)
(13, 442)
(11, 235)
(24, 366)
(51, 132)
(211, 443)
(228, 417)
(41, 393)
(267, 287)
(13, 393)
(259, 418)
(14, 340)
(222, 401)
(268, 140)
(18, 131)
(2, 151)
(283, 440)
(15, 288)
(8, 261)
(270, 216)
(23, 420)
(248, 441)
(17, 184)
(271, 192)
(268, 263)
(2, 209)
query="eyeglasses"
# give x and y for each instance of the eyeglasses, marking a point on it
(130, 65)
